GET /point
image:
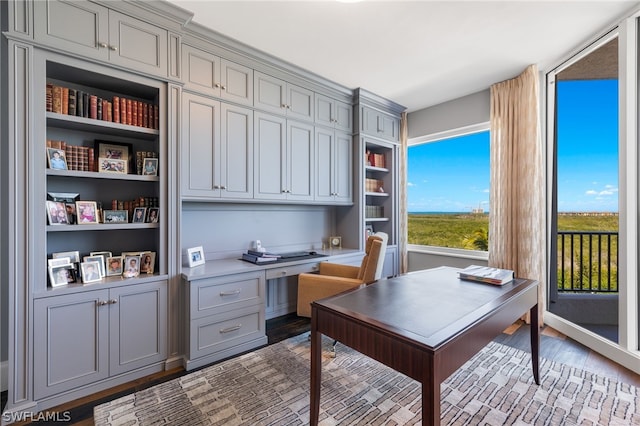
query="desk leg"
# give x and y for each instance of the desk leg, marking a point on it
(316, 369)
(430, 396)
(535, 343)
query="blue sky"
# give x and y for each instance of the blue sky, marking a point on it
(453, 175)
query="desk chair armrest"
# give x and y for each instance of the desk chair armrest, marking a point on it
(313, 287)
(338, 270)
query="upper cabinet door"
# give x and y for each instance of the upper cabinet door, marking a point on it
(77, 26)
(299, 103)
(343, 116)
(138, 45)
(200, 71)
(333, 113)
(270, 156)
(278, 96)
(377, 123)
(236, 82)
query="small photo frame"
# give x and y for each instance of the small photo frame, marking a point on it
(87, 212)
(56, 159)
(57, 213)
(114, 266)
(139, 215)
(115, 151)
(369, 230)
(153, 215)
(115, 216)
(150, 166)
(69, 198)
(147, 262)
(90, 271)
(61, 275)
(195, 256)
(60, 261)
(74, 256)
(97, 258)
(131, 266)
(110, 165)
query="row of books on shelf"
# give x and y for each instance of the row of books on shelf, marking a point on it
(374, 159)
(372, 212)
(67, 268)
(68, 101)
(111, 158)
(373, 185)
(67, 209)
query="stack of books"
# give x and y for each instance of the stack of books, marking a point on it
(260, 257)
(487, 274)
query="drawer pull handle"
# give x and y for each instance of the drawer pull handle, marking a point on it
(230, 329)
(229, 293)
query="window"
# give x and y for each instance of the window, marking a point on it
(448, 190)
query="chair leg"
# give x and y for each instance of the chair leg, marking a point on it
(333, 349)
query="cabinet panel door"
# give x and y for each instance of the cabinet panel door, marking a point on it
(343, 168)
(236, 148)
(71, 342)
(237, 82)
(300, 161)
(138, 45)
(343, 116)
(300, 103)
(269, 93)
(200, 71)
(324, 110)
(270, 156)
(324, 165)
(75, 26)
(138, 326)
(200, 169)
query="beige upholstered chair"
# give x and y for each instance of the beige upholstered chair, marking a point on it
(334, 278)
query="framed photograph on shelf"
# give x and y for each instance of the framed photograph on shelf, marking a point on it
(115, 151)
(60, 261)
(110, 165)
(61, 275)
(87, 212)
(56, 159)
(153, 215)
(139, 214)
(114, 266)
(100, 260)
(90, 271)
(57, 213)
(131, 266)
(150, 167)
(115, 216)
(74, 256)
(147, 262)
(195, 256)
(69, 199)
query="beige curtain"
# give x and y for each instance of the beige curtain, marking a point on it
(402, 199)
(517, 238)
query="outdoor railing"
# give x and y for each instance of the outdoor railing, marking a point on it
(588, 261)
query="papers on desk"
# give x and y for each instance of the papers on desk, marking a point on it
(487, 274)
(259, 259)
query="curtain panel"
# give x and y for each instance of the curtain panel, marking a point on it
(517, 236)
(403, 225)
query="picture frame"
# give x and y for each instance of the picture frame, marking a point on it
(74, 256)
(115, 151)
(115, 216)
(87, 212)
(150, 166)
(90, 271)
(195, 256)
(147, 262)
(97, 258)
(114, 266)
(69, 198)
(369, 230)
(153, 215)
(131, 266)
(56, 159)
(57, 213)
(139, 215)
(60, 261)
(112, 165)
(61, 275)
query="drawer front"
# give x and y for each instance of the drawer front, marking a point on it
(222, 294)
(286, 271)
(219, 332)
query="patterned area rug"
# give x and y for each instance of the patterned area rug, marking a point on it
(271, 387)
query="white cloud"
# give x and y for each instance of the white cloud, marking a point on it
(410, 184)
(591, 192)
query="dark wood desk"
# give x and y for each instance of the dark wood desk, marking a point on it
(424, 324)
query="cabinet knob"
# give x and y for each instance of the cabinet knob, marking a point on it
(101, 44)
(114, 48)
(102, 302)
(223, 187)
(113, 301)
(217, 85)
(284, 105)
(223, 87)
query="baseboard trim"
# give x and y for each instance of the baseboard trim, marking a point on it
(4, 376)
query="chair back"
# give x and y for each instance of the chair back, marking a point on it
(372, 254)
(383, 252)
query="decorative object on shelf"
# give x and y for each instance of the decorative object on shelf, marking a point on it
(335, 242)
(147, 262)
(74, 256)
(59, 261)
(139, 215)
(106, 165)
(87, 212)
(56, 159)
(131, 266)
(153, 215)
(150, 167)
(195, 256)
(69, 198)
(115, 216)
(57, 213)
(108, 151)
(62, 275)
(90, 271)
(141, 156)
(114, 266)
(97, 258)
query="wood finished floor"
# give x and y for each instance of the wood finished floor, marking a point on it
(553, 345)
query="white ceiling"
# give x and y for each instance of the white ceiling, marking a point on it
(416, 53)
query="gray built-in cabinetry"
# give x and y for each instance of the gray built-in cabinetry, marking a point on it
(235, 126)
